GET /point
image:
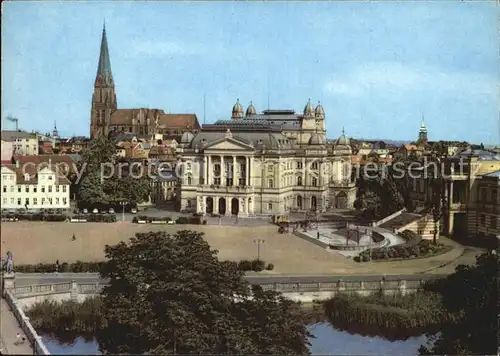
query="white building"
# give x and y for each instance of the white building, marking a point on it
(34, 187)
(23, 143)
(267, 164)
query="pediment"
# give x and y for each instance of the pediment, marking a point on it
(228, 144)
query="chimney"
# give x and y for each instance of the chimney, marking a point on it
(17, 164)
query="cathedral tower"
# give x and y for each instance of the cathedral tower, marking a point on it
(104, 97)
(422, 133)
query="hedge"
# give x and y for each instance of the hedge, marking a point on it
(423, 249)
(194, 220)
(82, 267)
(40, 217)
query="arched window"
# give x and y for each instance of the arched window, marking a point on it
(313, 202)
(299, 180)
(189, 180)
(315, 182)
(299, 201)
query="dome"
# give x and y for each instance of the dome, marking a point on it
(343, 140)
(250, 110)
(237, 110)
(316, 139)
(187, 137)
(319, 111)
(309, 110)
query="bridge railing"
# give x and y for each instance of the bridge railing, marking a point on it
(24, 322)
(327, 285)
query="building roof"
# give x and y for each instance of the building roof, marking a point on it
(482, 155)
(267, 140)
(61, 161)
(169, 121)
(495, 174)
(12, 135)
(104, 75)
(30, 171)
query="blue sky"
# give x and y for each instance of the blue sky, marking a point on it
(376, 67)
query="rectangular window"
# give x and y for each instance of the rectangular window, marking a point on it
(12, 200)
(27, 201)
(57, 189)
(50, 201)
(5, 189)
(19, 189)
(27, 189)
(270, 206)
(50, 189)
(5, 200)
(18, 201)
(57, 201)
(270, 183)
(493, 222)
(43, 201)
(64, 189)
(34, 189)
(12, 189)
(35, 201)
(64, 201)
(43, 189)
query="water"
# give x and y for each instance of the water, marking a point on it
(328, 341)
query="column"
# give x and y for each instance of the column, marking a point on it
(204, 205)
(244, 210)
(209, 171)
(205, 170)
(216, 205)
(229, 204)
(451, 192)
(222, 168)
(248, 168)
(235, 174)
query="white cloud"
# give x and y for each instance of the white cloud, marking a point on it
(396, 77)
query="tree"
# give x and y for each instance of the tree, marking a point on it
(101, 160)
(171, 295)
(472, 294)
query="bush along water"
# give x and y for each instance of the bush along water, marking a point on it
(67, 317)
(396, 316)
(94, 267)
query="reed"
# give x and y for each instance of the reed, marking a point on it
(392, 314)
(67, 316)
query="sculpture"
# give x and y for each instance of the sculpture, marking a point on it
(9, 263)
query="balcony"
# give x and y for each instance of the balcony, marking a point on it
(212, 188)
(458, 206)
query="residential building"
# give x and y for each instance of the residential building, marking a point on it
(34, 187)
(23, 143)
(7, 151)
(486, 215)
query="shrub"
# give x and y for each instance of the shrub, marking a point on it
(269, 267)
(77, 267)
(404, 251)
(258, 265)
(245, 265)
(181, 220)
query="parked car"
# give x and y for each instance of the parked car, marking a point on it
(76, 211)
(85, 211)
(133, 211)
(171, 222)
(95, 211)
(103, 211)
(111, 211)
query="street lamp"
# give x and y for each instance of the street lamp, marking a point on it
(123, 203)
(258, 242)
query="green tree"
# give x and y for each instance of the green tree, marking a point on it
(100, 161)
(171, 295)
(472, 294)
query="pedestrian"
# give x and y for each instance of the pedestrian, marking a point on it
(57, 266)
(18, 339)
(74, 237)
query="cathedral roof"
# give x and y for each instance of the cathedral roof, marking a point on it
(174, 121)
(104, 66)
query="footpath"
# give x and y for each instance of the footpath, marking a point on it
(9, 328)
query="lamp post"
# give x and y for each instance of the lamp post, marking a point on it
(258, 242)
(123, 203)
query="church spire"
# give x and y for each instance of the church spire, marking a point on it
(104, 75)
